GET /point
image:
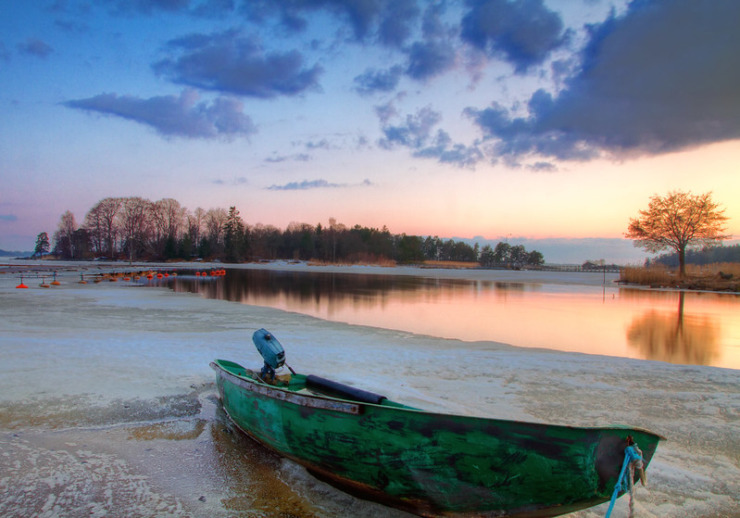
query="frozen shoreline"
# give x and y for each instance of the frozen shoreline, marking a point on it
(523, 276)
(95, 365)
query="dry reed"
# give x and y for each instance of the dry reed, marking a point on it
(713, 277)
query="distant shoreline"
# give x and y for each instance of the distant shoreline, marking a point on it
(472, 274)
(524, 276)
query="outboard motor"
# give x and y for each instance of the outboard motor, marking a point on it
(271, 351)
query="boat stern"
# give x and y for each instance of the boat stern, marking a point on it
(611, 451)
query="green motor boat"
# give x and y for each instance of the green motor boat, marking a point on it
(427, 463)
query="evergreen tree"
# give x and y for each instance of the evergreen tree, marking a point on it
(234, 242)
(42, 245)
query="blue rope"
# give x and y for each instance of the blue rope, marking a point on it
(630, 455)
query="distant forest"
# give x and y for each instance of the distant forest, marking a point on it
(135, 228)
(708, 255)
(6, 253)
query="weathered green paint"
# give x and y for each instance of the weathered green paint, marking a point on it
(430, 463)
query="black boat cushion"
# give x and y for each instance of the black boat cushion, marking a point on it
(333, 388)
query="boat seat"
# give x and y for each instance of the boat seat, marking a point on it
(333, 388)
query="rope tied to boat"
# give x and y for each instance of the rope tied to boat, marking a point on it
(632, 461)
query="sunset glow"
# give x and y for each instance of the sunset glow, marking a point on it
(421, 118)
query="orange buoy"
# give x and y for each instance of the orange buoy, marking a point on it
(21, 285)
(197, 274)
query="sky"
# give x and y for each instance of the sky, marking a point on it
(546, 122)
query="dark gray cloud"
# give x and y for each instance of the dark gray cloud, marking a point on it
(239, 180)
(316, 184)
(228, 62)
(430, 58)
(445, 151)
(35, 47)
(542, 167)
(389, 21)
(299, 157)
(414, 133)
(396, 22)
(432, 25)
(662, 77)
(319, 144)
(386, 112)
(308, 184)
(523, 32)
(372, 80)
(175, 116)
(433, 55)
(418, 135)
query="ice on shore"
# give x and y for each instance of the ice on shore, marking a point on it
(105, 389)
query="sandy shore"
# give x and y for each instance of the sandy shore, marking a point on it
(108, 405)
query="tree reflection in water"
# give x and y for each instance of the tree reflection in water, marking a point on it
(675, 338)
(624, 322)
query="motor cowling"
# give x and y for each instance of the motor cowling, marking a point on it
(271, 350)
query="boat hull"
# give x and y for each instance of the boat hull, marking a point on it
(431, 463)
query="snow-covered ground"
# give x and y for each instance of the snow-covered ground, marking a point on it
(108, 407)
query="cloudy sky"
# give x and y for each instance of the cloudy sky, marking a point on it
(536, 119)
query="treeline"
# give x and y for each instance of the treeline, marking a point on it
(135, 228)
(707, 255)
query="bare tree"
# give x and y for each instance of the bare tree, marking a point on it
(63, 243)
(195, 224)
(135, 227)
(167, 217)
(678, 221)
(214, 222)
(100, 221)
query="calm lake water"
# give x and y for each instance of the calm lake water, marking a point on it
(684, 328)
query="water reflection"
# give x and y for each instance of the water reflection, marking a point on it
(675, 337)
(694, 328)
(301, 290)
